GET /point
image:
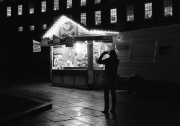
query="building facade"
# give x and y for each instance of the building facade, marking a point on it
(24, 20)
(120, 15)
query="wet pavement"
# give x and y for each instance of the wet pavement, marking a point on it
(14, 107)
(75, 107)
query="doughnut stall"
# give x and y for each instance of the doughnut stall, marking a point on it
(74, 51)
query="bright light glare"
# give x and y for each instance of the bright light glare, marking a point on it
(80, 48)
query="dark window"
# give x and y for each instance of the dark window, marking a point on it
(20, 26)
(31, 25)
(31, 8)
(44, 23)
(165, 50)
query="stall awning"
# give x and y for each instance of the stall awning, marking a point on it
(65, 26)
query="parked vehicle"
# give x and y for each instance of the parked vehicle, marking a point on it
(150, 59)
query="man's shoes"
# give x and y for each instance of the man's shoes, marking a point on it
(112, 111)
(105, 111)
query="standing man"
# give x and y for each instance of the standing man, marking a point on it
(109, 78)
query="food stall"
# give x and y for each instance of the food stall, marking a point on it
(74, 51)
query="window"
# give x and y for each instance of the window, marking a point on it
(168, 8)
(19, 9)
(31, 8)
(97, 1)
(113, 15)
(130, 13)
(124, 47)
(20, 26)
(165, 50)
(148, 10)
(69, 3)
(44, 23)
(8, 11)
(56, 4)
(97, 17)
(43, 6)
(83, 18)
(31, 25)
(83, 2)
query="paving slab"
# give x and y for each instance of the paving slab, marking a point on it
(14, 107)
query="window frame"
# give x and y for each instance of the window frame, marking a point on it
(9, 11)
(42, 23)
(148, 10)
(69, 4)
(31, 8)
(113, 12)
(168, 8)
(43, 6)
(30, 26)
(20, 25)
(98, 17)
(130, 13)
(83, 18)
(56, 5)
(83, 3)
(20, 10)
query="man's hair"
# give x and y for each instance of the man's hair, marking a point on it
(113, 54)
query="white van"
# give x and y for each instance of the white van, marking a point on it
(150, 59)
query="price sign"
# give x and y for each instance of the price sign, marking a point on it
(107, 39)
(36, 46)
(69, 42)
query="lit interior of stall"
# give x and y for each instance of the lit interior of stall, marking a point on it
(77, 56)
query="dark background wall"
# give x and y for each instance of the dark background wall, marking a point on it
(16, 54)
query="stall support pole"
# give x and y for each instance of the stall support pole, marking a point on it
(90, 65)
(51, 52)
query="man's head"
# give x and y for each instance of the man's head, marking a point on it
(113, 54)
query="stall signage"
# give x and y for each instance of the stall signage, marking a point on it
(56, 40)
(36, 46)
(44, 42)
(107, 39)
(69, 41)
(68, 28)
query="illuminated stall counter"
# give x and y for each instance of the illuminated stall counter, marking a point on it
(76, 66)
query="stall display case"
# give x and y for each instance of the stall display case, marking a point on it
(70, 57)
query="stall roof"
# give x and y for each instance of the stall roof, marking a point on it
(66, 26)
